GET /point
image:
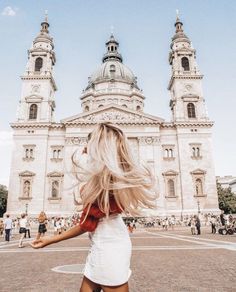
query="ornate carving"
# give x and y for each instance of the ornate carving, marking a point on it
(147, 140)
(113, 116)
(76, 141)
(35, 88)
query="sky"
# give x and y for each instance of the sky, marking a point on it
(144, 29)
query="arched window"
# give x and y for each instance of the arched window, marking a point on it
(138, 108)
(166, 153)
(199, 189)
(55, 189)
(191, 110)
(171, 188)
(55, 153)
(33, 112)
(26, 189)
(112, 68)
(38, 64)
(86, 108)
(185, 63)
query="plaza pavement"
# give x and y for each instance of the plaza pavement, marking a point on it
(162, 261)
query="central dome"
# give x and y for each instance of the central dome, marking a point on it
(113, 69)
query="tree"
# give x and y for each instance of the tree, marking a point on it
(227, 199)
(3, 199)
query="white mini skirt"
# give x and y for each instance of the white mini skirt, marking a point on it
(108, 261)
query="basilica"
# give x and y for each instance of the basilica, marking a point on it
(178, 151)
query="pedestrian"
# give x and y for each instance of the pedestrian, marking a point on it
(22, 230)
(42, 219)
(198, 225)
(222, 218)
(1, 227)
(7, 227)
(28, 226)
(192, 226)
(112, 183)
(213, 224)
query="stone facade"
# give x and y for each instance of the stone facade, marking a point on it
(179, 151)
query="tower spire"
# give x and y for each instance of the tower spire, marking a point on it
(112, 50)
(45, 24)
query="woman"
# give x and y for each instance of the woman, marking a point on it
(110, 183)
(22, 231)
(42, 219)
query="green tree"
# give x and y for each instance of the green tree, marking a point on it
(3, 199)
(227, 199)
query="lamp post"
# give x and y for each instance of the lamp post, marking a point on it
(198, 207)
(26, 208)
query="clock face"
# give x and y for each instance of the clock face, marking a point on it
(188, 87)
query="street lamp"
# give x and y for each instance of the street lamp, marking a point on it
(198, 207)
(26, 208)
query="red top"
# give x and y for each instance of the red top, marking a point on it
(94, 214)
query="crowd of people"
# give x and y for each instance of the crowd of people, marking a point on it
(22, 225)
(10, 227)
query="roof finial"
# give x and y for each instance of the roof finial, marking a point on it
(46, 16)
(177, 15)
(112, 29)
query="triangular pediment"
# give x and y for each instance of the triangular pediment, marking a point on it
(115, 114)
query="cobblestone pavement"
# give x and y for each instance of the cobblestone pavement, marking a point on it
(162, 261)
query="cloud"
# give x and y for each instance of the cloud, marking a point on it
(8, 11)
(6, 138)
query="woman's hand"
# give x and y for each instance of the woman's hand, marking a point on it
(41, 242)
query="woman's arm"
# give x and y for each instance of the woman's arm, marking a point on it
(44, 241)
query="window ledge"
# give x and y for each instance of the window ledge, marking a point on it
(169, 158)
(52, 199)
(56, 159)
(25, 198)
(28, 159)
(200, 196)
(196, 157)
(169, 197)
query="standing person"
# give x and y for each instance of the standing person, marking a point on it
(28, 225)
(198, 225)
(42, 219)
(192, 226)
(222, 218)
(213, 224)
(22, 231)
(112, 183)
(1, 227)
(7, 227)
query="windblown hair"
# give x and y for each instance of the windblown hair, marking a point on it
(112, 171)
(42, 217)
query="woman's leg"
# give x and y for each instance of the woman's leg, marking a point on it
(121, 288)
(21, 239)
(38, 236)
(89, 286)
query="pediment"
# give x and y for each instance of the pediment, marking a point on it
(34, 98)
(26, 173)
(55, 174)
(198, 171)
(170, 172)
(115, 114)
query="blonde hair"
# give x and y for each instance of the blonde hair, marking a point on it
(112, 171)
(42, 217)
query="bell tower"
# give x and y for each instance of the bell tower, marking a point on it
(38, 86)
(187, 102)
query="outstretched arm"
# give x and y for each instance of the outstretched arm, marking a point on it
(44, 241)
